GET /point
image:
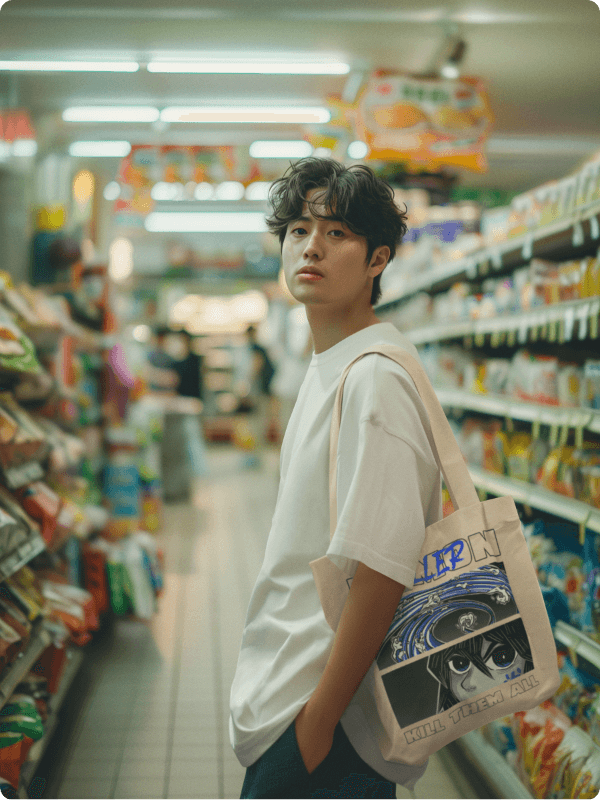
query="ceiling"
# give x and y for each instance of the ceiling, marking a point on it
(540, 61)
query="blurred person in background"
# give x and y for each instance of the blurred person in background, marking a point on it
(253, 386)
(161, 374)
(189, 369)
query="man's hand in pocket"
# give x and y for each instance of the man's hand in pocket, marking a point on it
(314, 742)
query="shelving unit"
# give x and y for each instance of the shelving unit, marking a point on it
(580, 231)
(518, 327)
(40, 639)
(74, 660)
(492, 766)
(537, 497)
(576, 322)
(578, 641)
(497, 405)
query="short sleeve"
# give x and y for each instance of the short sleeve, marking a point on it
(388, 484)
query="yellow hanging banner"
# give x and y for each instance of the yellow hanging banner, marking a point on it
(423, 122)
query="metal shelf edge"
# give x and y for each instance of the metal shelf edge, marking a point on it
(537, 497)
(518, 409)
(22, 665)
(39, 748)
(490, 763)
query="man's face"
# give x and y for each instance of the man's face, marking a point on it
(502, 660)
(331, 249)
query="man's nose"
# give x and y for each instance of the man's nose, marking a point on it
(314, 246)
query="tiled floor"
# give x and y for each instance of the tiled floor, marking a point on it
(150, 709)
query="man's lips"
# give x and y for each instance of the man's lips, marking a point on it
(309, 271)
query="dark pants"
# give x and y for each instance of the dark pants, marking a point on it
(280, 772)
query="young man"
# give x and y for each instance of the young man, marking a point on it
(296, 721)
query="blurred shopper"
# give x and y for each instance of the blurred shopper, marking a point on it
(189, 369)
(161, 374)
(296, 721)
(256, 401)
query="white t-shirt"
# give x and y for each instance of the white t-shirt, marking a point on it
(388, 492)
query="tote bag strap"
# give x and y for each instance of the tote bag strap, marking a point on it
(445, 447)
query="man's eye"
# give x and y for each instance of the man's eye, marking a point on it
(502, 658)
(338, 233)
(299, 231)
(459, 664)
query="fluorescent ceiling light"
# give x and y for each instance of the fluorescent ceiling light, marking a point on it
(100, 149)
(25, 148)
(229, 190)
(258, 190)
(111, 114)
(70, 66)
(358, 149)
(205, 222)
(240, 67)
(252, 114)
(294, 149)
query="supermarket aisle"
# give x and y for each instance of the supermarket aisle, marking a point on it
(153, 720)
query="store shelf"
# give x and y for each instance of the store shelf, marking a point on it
(492, 766)
(39, 641)
(518, 326)
(499, 406)
(573, 233)
(582, 644)
(537, 497)
(28, 770)
(20, 553)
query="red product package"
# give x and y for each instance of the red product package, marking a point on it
(541, 731)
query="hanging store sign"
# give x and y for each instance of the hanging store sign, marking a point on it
(423, 123)
(17, 135)
(147, 165)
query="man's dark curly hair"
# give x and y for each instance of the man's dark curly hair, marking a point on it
(354, 195)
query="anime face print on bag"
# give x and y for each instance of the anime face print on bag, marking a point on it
(454, 638)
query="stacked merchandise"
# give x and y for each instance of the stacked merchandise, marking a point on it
(54, 577)
(508, 336)
(555, 748)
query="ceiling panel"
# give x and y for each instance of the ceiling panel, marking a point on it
(540, 60)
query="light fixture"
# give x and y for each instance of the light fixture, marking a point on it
(291, 149)
(205, 222)
(204, 191)
(69, 66)
(111, 114)
(229, 190)
(358, 149)
(24, 148)
(112, 191)
(99, 149)
(450, 67)
(163, 190)
(258, 190)
(256, 67)
(252, 114)
(120, 259)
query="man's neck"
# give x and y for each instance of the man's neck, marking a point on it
(327, 332)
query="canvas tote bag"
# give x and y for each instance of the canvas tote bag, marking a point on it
(470, 640)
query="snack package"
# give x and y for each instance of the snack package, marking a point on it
(541, 730)
(569, 759)
(518, 456)
(590, 395)
(587, 779)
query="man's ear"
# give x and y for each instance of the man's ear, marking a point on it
(379, 260)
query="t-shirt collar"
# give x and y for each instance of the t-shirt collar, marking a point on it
(351, 344)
